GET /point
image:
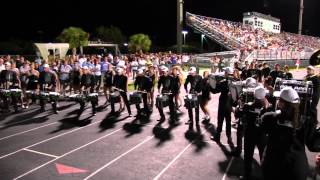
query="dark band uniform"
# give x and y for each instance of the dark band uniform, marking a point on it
(120, 82)
(9, 80)
(88, 82)
(48, 80)
(195, 87)
(254, 135)
(225, 107)
(143, 83)
(285, 156)
(315, 96)
(169, 84)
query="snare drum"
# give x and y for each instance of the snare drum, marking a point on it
(115, 97)
(15, 92)
(5, 93)
(191, 101)
(162, 101)
(54, 95)
(93, 96)
(135, 98)
(44, 95)
(75, 97)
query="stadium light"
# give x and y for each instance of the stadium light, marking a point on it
(125, 44)
(202, 37)
(184, 36)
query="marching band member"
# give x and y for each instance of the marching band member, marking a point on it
(143, 83)
(87, 86)
(315, 79)
(195, 87)
(9, 80)
(166, 82)
(254, 134)
(33, 84)
(48, 83)
(120, 81)
(225, 105)
(205, 96)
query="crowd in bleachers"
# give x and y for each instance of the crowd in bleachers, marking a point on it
(250, 39)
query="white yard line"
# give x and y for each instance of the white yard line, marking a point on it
(6, 137)
(119, 157)
(74, 150)
(228, 168)
(174, 160)
(38, 152)
(54, 137)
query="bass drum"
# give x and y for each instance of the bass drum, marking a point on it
(315, 58)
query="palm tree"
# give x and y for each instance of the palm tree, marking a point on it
(139, 42)
(76, 37)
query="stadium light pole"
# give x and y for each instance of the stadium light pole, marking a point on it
(184, 36)
(179, 25)
(300, 17)
(202, 37)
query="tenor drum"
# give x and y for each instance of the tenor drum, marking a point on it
(5, 93)
(162, 101)
(135, 98)
(93, 96)
(191, 101)
(115, 97)
(54, 95)
(15, 92)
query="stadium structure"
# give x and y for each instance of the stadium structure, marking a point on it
(258, 37)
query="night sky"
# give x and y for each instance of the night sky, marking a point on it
(44, 20)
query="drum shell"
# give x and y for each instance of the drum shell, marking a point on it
(191, 103)
(135, 98)
(162, 101)
(15, 93)
(92, 97)
(115, 97)
(54, 96)
(5, 93)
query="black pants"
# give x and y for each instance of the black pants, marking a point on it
(43, 102)
(172, 108)
(240, 134)
(224, 114)
(94, 103)
(126, 102)
(97, 82)
(253, 137)
(6, 102)
(190, 112)
(145, 104)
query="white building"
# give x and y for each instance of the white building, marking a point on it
(262, 21)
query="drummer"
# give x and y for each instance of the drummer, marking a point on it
(143, 83)
(166, 82)
(32, 85)
(195, 87)
(9, 80)
(48, 83)
(87, 86)
(225, 105)
(120, 82)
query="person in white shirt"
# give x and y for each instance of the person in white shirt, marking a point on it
(142, 63)
(134, 68)
(2, 66)
(96, 70)
(65, 70)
